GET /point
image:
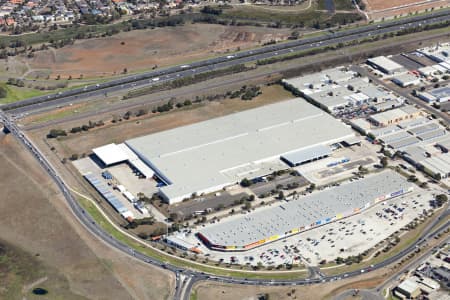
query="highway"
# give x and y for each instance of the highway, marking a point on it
(154, 77)
(185, 278)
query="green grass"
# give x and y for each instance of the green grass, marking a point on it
(193, 295)
(54, 116)
(256, 14)
(14, 94)
(108, 227)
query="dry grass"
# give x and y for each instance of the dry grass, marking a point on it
(378, 9)
(77, 265)
(383, 4)
(142, 49)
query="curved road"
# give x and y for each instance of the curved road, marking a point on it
(191, 276)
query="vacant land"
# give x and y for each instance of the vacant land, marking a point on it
(383, 4)
(143, 49)
(316, 16)
(41, 248)
(378, 9)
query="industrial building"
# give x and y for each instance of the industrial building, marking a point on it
(408, 289)
(112, 154)
(420, 131)
(440, 95)
(385, 65)
(223, 151)
(268, 224)
(339, 89)
(395, 116)
(406, 80)
(435, 164)
(439, 53)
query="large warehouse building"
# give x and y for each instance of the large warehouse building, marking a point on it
(207, 156)
(268, 224)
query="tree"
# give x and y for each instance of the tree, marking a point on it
(280, 195)
(384, 162)
(441, 199)
(3, 92)
(54, 133)
(245, 182)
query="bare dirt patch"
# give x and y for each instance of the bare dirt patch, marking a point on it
(143, 49)
(34, 218)
(378, 9)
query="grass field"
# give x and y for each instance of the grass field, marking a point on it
(307, 18)
(143, 49)
(45, 249)
(16, 93)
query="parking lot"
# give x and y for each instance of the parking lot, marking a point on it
(332, 168)
(284, 180)
(131, 180)
(347, 237)
(408, 61)
(206, 203)
(87, 165)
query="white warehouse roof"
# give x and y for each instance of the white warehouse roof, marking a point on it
(244, 140)
(385, 63)
(110, 154)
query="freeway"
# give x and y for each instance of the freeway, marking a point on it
(191, 276)
(171, 73)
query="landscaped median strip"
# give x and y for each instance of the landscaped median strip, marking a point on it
(103, 220)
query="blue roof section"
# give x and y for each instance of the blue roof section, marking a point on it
(304, 155)
(106, 193)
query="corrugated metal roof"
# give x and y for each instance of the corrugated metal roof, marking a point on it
(253, 136)
(316, 208)
(304, 155)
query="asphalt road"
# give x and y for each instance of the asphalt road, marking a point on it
(175, 72)
(182, 291)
